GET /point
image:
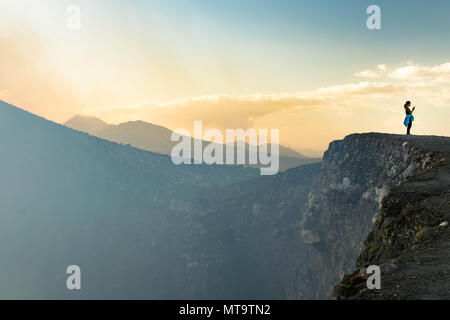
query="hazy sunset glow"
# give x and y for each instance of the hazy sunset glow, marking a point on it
(309, 68)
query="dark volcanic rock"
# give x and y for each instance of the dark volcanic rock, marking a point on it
(372, 180)
(407, 227)
(299, 232)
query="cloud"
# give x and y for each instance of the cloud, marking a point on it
(240, 111)
(381, 70)
(308, 119)
(368, 74)
(415, 72)
(382, 67)
(431, 83)
(220, 111)
(362, 88)
(410, 71)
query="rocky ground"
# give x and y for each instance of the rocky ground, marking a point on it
(411, 238)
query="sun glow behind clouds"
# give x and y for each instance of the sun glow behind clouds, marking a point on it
(231, 64)
(305, 116)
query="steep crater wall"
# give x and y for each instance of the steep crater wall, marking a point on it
(344, 204)
(294, 235)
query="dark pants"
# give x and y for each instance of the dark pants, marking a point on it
(409, 127)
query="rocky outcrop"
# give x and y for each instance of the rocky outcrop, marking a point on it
(409, 239)
(296, 234)
(367, 181)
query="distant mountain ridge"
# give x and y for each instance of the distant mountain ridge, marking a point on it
(155, 138)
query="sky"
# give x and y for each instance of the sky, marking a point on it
(311, 69)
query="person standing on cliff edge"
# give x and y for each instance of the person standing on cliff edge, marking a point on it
(409, 116)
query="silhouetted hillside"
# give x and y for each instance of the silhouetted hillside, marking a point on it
(87, 124)
(156, 138)
(124, 215)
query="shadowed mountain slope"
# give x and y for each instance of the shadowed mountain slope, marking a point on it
(122, 214)
(156, 138)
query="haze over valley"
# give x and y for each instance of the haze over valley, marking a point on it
(257, 149)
